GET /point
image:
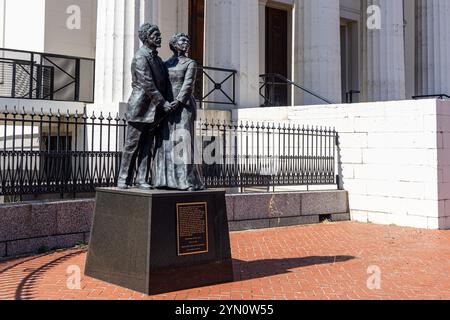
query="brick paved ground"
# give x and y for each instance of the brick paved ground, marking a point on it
(327, 261)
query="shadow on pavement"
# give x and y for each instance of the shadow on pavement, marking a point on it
(244, 270)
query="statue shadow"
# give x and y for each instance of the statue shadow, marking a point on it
(202, 275)
(27, 288)
(246, 270)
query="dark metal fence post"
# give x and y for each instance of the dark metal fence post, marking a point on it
(52, 83)
(234, 87)
(14, 76)
(336, 161)
(39, 82)
(31, 76)
(272, 91)
(77, 80)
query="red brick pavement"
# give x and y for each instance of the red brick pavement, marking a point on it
(326, 261)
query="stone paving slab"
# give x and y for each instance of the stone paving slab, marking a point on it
(324, 261)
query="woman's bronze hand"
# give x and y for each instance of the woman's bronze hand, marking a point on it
(167, 107)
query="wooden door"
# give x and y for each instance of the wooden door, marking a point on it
(197, 35)
(197, 29)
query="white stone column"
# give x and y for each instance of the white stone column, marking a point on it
(118, 22)
(382, 51)
(117, 41)
(171, 16)
(262, 36)
(232, 42)
(317, 54)
(432, 47)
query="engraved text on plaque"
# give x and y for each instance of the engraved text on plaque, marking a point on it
(192, 228)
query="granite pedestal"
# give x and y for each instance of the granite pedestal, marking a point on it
(160, 241)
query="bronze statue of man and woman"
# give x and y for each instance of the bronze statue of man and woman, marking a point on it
(161, 116)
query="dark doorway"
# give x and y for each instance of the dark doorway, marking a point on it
(349, 61)
(197, 29)
(277, 51)
(197, 36)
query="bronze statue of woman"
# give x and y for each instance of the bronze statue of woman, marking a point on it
(174, 163)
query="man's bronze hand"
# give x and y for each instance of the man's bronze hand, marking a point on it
(175, 105)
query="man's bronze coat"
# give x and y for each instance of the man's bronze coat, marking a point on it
(151, 93)
(151, 86)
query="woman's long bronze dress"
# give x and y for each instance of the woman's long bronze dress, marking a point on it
(174, 162)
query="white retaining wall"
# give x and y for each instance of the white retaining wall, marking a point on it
(394, 157)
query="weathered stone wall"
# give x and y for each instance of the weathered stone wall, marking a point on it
(40, 226)
(269, 210)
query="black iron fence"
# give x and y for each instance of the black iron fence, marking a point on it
(42, 153)
(45, 76)
(268, 154)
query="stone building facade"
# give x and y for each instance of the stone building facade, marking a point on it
(327, 46)
(386, 49)
(394, 156)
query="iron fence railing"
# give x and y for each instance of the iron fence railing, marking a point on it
(270, 154)
(46, 76)
(43, 153)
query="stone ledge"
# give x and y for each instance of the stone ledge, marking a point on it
(34, 245)
(248, 225)
(75, 217)
(282, 205)
(337, 217)
(293, 221)
(40, 219)
(87, 237)
(272, 223)
(2, 250)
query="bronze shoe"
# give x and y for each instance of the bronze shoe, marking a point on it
(122, 185)
(144, 186)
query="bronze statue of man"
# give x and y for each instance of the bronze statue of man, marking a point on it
(149, 102)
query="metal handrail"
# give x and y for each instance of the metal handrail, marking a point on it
(64, 75)
(56, 55)
(349, 95)
(229, 78)
(217, 69)
(287, 82)
(426, 96)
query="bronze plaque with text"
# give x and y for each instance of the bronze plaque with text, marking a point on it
(192, 228)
